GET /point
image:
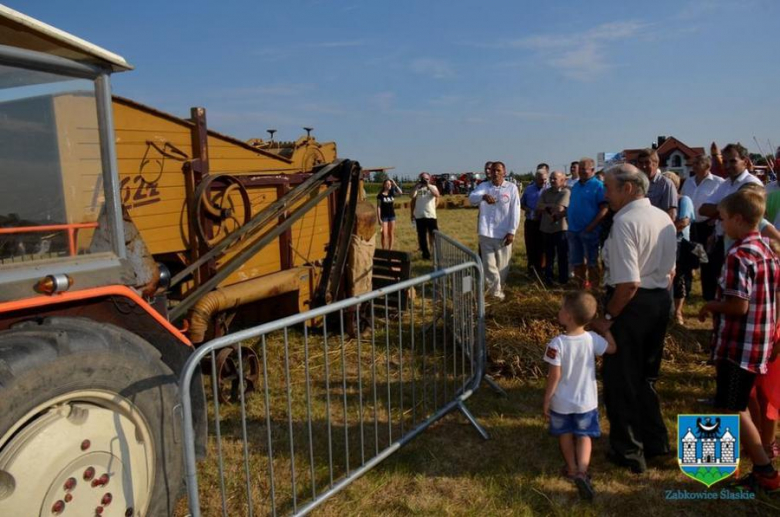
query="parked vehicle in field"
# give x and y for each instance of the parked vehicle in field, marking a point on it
(469, 180)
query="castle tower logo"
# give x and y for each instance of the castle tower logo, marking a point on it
(708, 446)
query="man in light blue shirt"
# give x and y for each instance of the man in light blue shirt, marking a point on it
(499, 217)
(587, 207)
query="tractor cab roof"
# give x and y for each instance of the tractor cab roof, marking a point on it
(21, 31)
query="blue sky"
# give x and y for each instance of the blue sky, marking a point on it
(443, 85)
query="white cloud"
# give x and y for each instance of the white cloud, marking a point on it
(432, 67)
(384, 101)
(580, 56)
(582, 63)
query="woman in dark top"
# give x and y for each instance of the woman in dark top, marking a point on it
(385, 210)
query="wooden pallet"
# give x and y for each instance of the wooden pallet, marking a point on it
(391, 267)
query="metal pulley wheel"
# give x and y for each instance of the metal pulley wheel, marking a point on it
(219, 208)
(228, 378)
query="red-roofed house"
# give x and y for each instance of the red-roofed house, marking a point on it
(673, 154)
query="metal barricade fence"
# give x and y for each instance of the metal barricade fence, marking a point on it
(447, 252)
(329, 407)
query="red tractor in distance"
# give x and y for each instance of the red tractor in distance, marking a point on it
(469, 180)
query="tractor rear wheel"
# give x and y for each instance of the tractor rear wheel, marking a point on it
(86, 422)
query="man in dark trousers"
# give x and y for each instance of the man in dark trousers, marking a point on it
(639, 259)
(425, 198)
(534, 247)
(699, 188)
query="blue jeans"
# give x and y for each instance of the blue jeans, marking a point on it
(583, 245)
(578, 424)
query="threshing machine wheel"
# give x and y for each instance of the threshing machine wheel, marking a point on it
(228, 377)
(220, 208)
(86, 422)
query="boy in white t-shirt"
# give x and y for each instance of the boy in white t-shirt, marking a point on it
(571, 397)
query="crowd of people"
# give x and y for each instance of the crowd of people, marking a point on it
(648, 231)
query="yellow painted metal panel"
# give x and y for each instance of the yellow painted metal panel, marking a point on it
(152, 148)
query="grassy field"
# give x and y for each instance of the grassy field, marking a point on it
(450, 470)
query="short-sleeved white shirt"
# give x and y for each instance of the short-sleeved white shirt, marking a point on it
(576, 355)
(642, 246)
(425, 204)
(728, 187)
(700, 193)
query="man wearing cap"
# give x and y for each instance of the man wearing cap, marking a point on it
(533, 236)
(499, 217)
(425, 197)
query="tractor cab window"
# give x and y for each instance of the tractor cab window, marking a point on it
(50, 166)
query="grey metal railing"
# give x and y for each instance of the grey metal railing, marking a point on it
(447, 252)
(329, 406)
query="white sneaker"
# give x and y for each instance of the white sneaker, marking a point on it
(499, 296)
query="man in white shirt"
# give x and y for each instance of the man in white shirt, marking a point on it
(699, 188)
(574, 169)
(701, 185)
(499, 217)
(639, 260)
(735, 160)
(425, 197)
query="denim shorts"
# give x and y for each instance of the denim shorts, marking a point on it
(583, 245)
(388, 219)
(578, 424)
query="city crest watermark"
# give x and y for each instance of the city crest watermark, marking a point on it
(708, 446)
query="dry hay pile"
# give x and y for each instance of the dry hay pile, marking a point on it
(518, 329)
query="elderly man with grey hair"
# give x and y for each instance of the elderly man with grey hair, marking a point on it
(551, 208)
(639, 259)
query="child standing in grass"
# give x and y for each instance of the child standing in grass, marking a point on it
(571, 400)
(745, 314)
